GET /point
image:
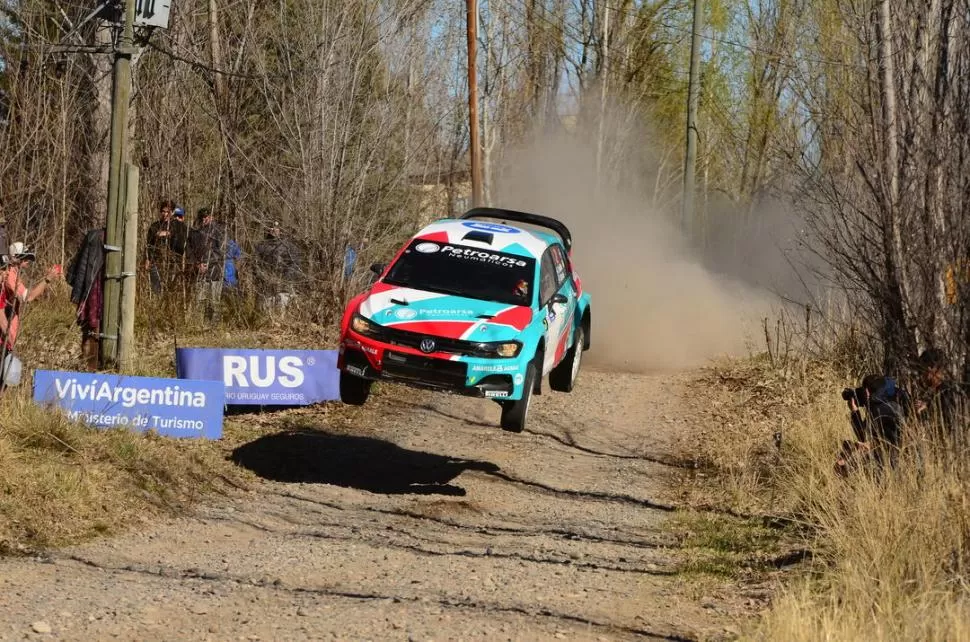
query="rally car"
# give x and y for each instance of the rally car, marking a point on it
(485, 306)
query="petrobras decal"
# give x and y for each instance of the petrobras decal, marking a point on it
(427, 247)
(491, 227)
(170, 407)
(409, 314)
(265, 377)
(405, 314)
(482, 256)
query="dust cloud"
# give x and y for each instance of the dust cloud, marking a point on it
(656, 306)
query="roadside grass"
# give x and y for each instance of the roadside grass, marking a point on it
(63, 482)
(890, 553)
(727, 546)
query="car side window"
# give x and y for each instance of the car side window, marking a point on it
(548, 284)
(562, 266)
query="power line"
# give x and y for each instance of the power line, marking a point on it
(575, 33)
(199, 65)
(786, 59)
(782, 59)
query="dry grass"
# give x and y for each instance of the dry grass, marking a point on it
(62, 482)
(751, 408)
(891, 552)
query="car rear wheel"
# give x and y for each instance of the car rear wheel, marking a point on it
(353, 390)
(515, 413)
(563, 377)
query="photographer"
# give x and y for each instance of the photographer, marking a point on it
(879, 431)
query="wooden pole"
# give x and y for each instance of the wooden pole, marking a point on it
(114, 228)
(604, 81)
(693, 98)
(475, 147)
(126, 344)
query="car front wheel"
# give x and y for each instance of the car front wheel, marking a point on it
(563, 377)
(353, 390)
(515, 413)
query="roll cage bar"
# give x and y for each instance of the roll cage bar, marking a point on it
(523, 217)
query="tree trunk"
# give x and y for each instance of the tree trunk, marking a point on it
(896, 334)
(101, 127)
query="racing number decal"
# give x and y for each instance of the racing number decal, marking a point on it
(558, 317)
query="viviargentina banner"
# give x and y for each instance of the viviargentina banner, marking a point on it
(265, 377)
(170, 407)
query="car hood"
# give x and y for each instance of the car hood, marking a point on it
(444, 315)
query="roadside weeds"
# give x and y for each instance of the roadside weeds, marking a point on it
(886, 556)
(63, 482)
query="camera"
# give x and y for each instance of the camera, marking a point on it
(859, 394)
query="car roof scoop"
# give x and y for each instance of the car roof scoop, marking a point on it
(481, 237)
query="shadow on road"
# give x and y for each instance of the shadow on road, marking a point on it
(364, 463)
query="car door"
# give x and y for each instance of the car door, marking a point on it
(567, 288)
(554, 314)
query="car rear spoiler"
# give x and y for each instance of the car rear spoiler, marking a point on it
(523, 217)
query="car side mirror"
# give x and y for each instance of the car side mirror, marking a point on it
(378, 268)
(559, 298)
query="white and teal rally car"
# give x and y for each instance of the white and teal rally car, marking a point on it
(485, 305)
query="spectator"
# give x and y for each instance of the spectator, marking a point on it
(208, 256)
(13, 295)
(278, 269)
(879, 431)
(942, 403)
(3, 235)
(164, 247)
(350, 257)
(85, 275)
(233, 254)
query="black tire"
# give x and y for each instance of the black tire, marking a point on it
(563, 377)
(515, 413)
(354, 391)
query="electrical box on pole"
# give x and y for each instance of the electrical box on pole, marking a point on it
(153, 13)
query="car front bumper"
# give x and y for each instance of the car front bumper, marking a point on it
(500, 379)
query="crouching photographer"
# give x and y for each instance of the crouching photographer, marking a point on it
(878, 409)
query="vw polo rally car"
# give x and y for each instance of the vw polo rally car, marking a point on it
(485, 305)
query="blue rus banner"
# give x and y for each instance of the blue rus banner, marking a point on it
(265, 377)
(170, 407)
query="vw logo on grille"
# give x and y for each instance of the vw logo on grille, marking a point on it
(427, 345)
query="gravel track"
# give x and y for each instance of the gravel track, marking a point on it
(422, 521)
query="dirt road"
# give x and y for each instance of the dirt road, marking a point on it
(415, 520)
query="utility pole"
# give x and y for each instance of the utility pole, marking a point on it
(114, 228)
(476, 148)
(693, 98)
(126, 345)
(604, 80)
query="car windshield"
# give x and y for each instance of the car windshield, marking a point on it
(465, 271)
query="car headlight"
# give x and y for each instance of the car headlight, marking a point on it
(363, 326)
(505, 349)
(508, 349)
